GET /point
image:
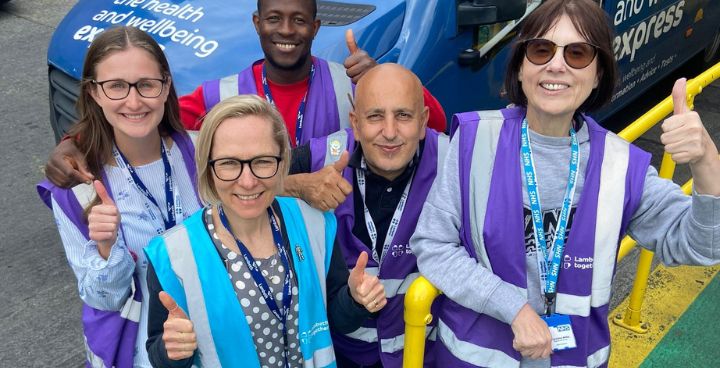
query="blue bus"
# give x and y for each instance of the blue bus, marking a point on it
(458, 48)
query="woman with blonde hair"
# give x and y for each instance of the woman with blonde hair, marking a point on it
(253, 279)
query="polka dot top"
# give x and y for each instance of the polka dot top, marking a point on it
(266, 329)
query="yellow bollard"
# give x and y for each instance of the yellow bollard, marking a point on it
(418, 300)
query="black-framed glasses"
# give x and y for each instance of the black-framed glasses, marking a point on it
(577, 55)
(117, 89)
(229, 169)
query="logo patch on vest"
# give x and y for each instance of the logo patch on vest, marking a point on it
(335, 148)
(581, 263)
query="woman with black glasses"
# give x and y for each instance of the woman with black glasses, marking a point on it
(130, 132)
(253, 279)
(521, 288)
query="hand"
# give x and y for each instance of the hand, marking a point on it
(359, 62)
(324, 189)
(687, 141)
(364, 288)
(178, 332)
(67, 166)
(684, 136)
(103, 221)
(532, 335)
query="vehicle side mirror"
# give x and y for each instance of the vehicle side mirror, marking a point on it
(477, 15)
(478, 12)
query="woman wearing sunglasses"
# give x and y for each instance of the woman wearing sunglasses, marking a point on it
(253, 279)
(130, 132)
(545, 195)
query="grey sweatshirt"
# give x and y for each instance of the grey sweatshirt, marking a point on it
(680, 230)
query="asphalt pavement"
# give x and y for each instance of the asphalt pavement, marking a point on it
(39, 304)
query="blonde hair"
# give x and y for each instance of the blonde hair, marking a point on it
(237, 107)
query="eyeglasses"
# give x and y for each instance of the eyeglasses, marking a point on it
(117, 89)
(577, 55)
(229, 169)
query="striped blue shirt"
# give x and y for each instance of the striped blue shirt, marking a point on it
(105, 284)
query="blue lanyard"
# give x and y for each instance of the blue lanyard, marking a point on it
(549, 264)
(172, 204)
(303, 103)
(258, 277)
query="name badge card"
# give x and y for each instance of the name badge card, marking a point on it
(561, 331)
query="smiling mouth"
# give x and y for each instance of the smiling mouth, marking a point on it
(554, 86)
(285, 46)
(135, 116)
(248, 197)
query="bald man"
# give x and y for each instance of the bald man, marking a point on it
(392, 161)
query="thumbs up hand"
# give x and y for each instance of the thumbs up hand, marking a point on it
(366, 289)
(687, 141)
(358, 62)
(324, 189)
(178, 332)
(103, 221)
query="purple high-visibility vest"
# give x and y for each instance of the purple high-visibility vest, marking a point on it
(381, 338)
(110, 336)
(492, 231)
(328, 106)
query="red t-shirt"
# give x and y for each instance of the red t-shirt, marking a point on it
(287, 98)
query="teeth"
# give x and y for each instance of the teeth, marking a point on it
(554, 86)
(248, 197)
(134, 116)
(285, 46)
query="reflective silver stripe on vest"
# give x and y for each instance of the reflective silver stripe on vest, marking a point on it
(573, 304)
(321, 358)
(486, 139)
(471, 353)
(228, 86)
(193, 134)
(94, 360)
(131, 309)
(393, 287)
(84, 193)
(366, 334)
(443, 145)
(335, 144)
(315, 223)
(373, 271)
(342, 86)
(595, 359)
(182, 260)
(611, 197)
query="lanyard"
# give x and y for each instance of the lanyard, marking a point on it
(549, 264)
(173, 204)
(260, 281)
(303, 103)
(394, 222)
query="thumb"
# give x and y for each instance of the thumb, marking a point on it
(358, 271)
(174, 311)
(102, 193)
(679, 97)
(342, 162)
(350, 41)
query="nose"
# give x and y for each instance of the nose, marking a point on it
(286, 27)
(246, 178)
(390, 130)
(133, 99)
(557, 63)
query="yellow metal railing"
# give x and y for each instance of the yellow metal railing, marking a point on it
(421, 293)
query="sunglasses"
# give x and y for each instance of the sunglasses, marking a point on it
(577, 55)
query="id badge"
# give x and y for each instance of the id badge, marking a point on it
(561, 331)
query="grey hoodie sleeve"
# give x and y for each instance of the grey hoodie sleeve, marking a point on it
(680, 229)
(446, 263)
